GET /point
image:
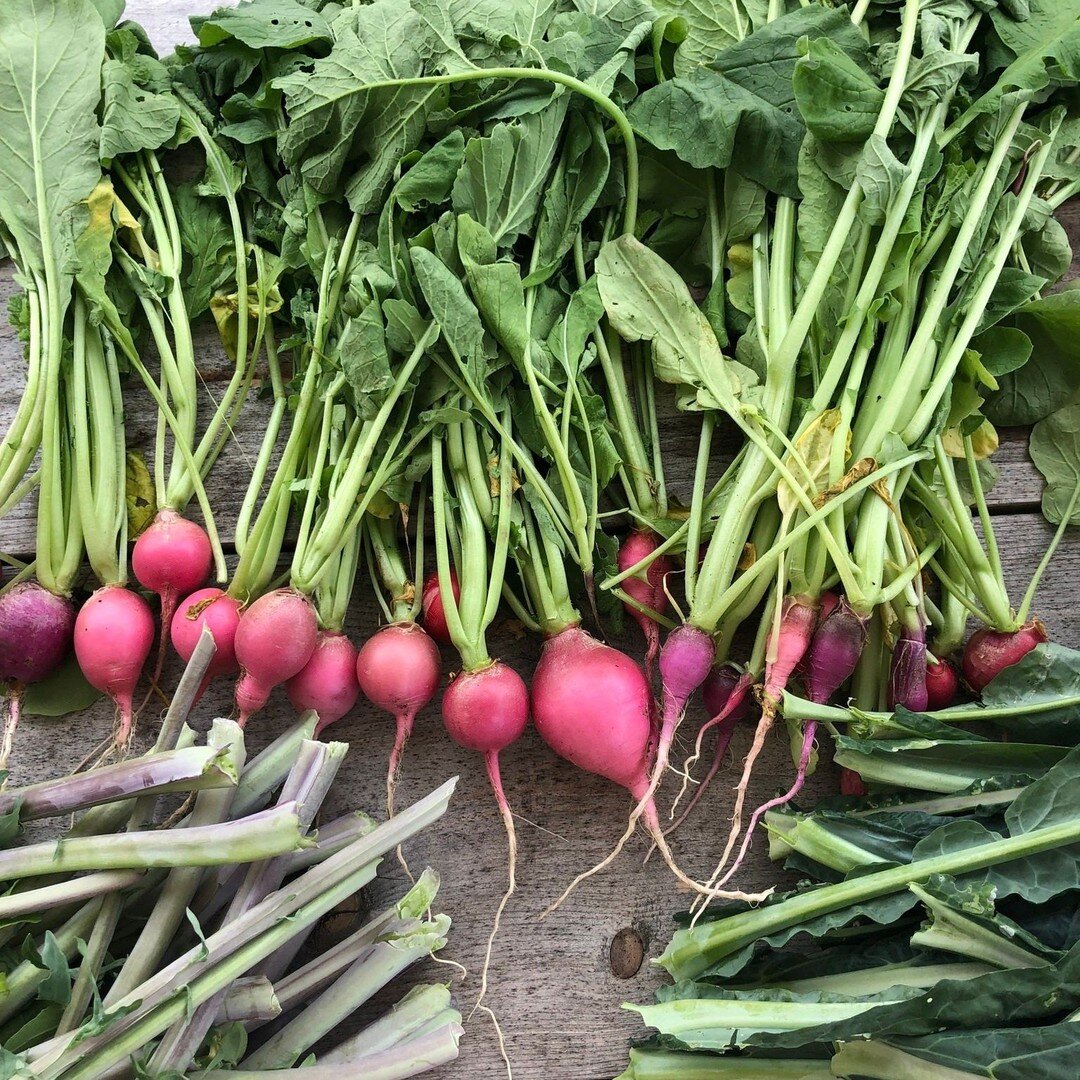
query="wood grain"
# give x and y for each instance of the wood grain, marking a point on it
(552, 984)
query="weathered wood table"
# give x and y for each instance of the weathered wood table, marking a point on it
(552, 982)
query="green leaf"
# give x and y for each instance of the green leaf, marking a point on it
(739, 109)
(56, 987)
(496, 287)
(1052, 375)
(65, 691)
(504, 175)
(710, 28)
(1041, 692)
(575, 187)
(207, 240)
(1046, 51)
(365, 361)
(342, 134)
(133, 118)
(451, 308)
(838, 99)
(51, 53)
(1055, 448)
(646, 300)
(881, 176)
(263, 24)
(429, 181)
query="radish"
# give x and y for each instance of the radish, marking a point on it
(432, 606)
(989, 652)
(398, 669)
(275, 638)
(833, 653)
(647, 589)
(171, 557)
(327, 683)
(726, 696)
(942, 683)
(36, 628)
(221, 613)
(114, 632)
(907, 675)
(591, 704)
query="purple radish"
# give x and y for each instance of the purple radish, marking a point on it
(36, 627)
(834, 651)
(172, 558)
(327, 682)
(907, 675)
(398, 669)
(989, 652)
(114, 633)
(487, 710)
(647, 590)
(275, 638)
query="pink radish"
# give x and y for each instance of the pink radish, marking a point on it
(327, 682)
(399, 669)
(647, 589)
(36, 627)
(274, 640)
(114, 632)
(907, 675)
(431, 603)
(851, 783)
(171, 557)
(989, 652)
(591, 704)
(487, 710)
(221, 613)
(942, 684)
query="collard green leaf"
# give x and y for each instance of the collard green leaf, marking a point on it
(1048, 801)
(1052, 375)
(710, 28)
(133, 118)
(207, 240)
(622, 14)
(838, 99)
(1041, 692)
(110, 11)
(1055, 448)
(646, 300)
(1003, 1053)
(263, 24)
(341, 133)
(430, 180)
(51, 52)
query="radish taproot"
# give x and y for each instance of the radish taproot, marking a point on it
(215, 609)
(431, 604)
(327, 683)
(989, 652)
(942, 683)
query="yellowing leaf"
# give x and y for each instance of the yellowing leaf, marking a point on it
(984, 441)
(140, 498)
(810, 468)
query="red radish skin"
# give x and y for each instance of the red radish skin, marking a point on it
(36, 628)
(221, 613)
(942, 684)
(851, 783)
(399, 669)
(327, 683)
(989, 652)
(114, 633)
(591, 705)
(172, 558)
(487, 710)
(274, 640)
(432, 606)
(649, 590)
